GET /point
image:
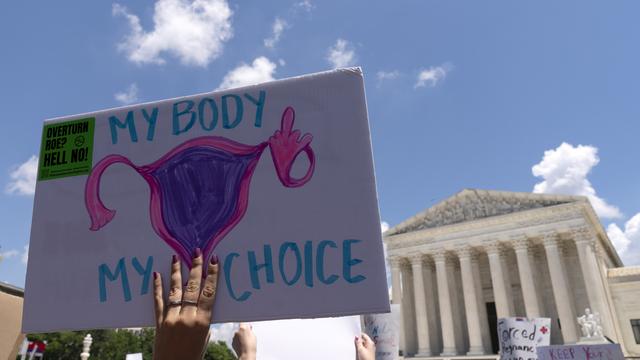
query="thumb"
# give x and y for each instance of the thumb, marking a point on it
(366, 341)
(359, 347)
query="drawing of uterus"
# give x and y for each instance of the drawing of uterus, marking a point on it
(200, 188)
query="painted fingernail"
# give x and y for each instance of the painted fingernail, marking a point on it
(174, 259)
(197, 253)
(214, 259)
(155, 275)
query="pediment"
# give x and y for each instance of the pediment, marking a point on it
(473, 204)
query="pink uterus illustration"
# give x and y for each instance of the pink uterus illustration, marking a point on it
(200, 188)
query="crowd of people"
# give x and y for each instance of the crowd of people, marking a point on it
(183, 316)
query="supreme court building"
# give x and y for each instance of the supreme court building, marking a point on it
(481, 255)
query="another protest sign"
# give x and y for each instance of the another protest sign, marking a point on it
(309, 339)
(275, 179)
(581, 352)
(384, 330)
(519, 337)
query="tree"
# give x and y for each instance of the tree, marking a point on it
(107, 344)
(114, 344)
(62, 345)
(219, 351)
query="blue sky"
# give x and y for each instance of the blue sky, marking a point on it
(461, 94)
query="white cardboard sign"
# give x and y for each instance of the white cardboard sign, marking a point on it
(581, 352)
(309, 339)
(519, 337)
(384, 330)
(275, 179)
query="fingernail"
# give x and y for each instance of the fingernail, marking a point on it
(174, 259)
(155, 275)
(214, 259)
(197, 253)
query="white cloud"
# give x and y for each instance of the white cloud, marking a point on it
(223, 332)
(384, 226)
(564, 170)
(261, 70)
(279, 25)
(128, 96)
(8, 254)
(388, 75)
(23, 178)
(24, 257)
(192, 30)
(305, 5)
(282, 23)
(627, 241)
(341, 54)
(432, 76)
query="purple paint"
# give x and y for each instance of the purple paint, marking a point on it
(200, 189)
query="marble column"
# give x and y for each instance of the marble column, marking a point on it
(527, 283)
(396, 287)
(561, 293)
(444, 299)
(408, 310)
(396, 292)
(586, 242)
(431, 289)
(500, 294)
(470, 302)
(422, 324)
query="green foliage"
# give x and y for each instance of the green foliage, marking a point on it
(114, 344)
(62, 345)
(219, 351)
(107, 344)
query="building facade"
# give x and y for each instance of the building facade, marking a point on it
(481, 255)
(10, 320)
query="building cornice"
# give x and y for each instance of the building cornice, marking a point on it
(565, 218)
(500, 223)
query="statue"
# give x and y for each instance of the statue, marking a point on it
(590, 324)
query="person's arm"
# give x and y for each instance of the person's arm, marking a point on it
(245, 343)
(182, 323)
(365, 348)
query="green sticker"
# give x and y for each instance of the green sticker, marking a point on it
(66, 149)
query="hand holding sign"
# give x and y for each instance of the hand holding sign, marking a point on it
(182, 324)
(186, 174)
(365, 348)
(245, 343)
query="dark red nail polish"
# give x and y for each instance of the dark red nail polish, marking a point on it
(197, 253)
(155, 275)
(214, 259)
(174, 259)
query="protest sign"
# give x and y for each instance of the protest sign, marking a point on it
(384, 330)
(519, 337)
(581, 352)
(309, 339)
(275, 179)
